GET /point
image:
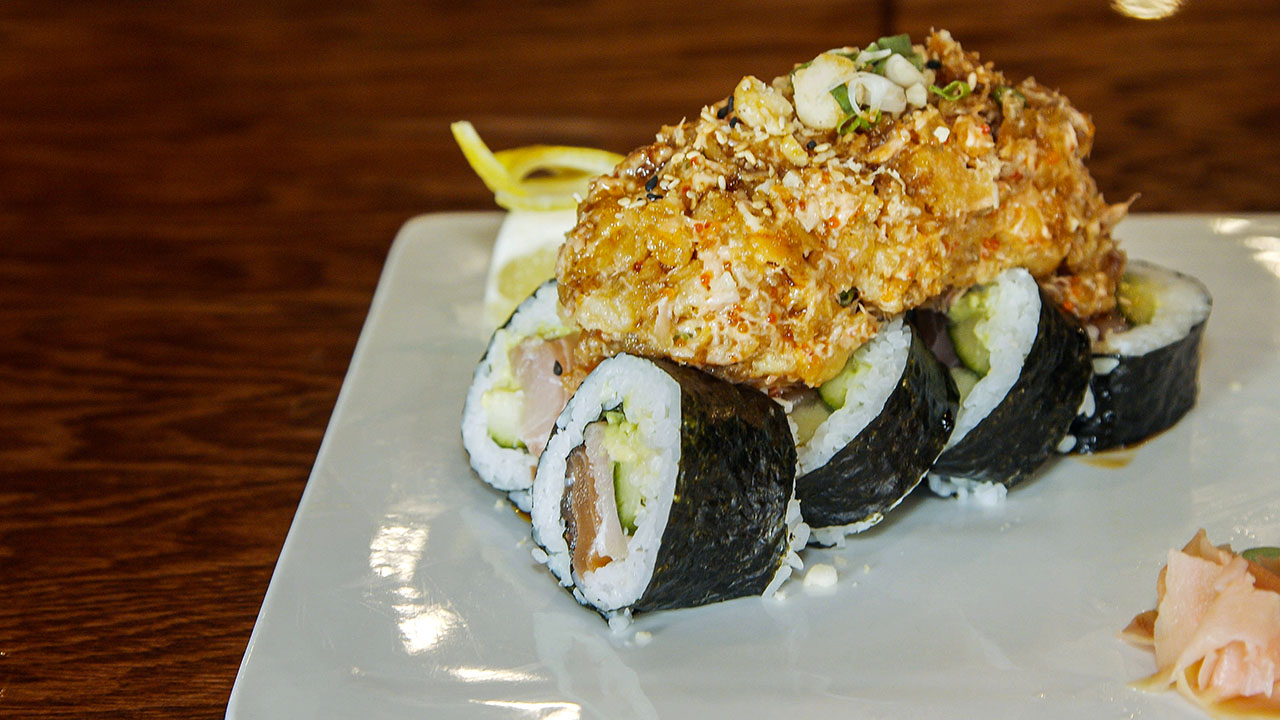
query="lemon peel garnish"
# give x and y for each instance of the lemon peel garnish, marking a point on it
(533, 177)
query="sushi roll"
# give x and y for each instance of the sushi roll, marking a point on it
(516, 393)
(663, 487)
(1022, 367)
(1145, 360)
(867, 437)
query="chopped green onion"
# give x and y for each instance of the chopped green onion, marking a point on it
(899, 45)
(857, 121)
(841, 94)
(1000, 90)
(847, 297)
(853, 120)
(954, 90)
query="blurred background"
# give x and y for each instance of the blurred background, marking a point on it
(196, 200)
(311, 107)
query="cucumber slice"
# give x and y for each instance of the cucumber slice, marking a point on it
(965, 379)
(962, 327)
(502, 413)
(622, 442)
(835, 390)
(627, 495)
(1137, 299)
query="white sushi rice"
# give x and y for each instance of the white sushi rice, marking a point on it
(650, 399)
(1182, 303)
(821, 579)
(885, 358)
(1009, 331)
(798, 532)
(984, 493)
(834, 535)
(507, 469)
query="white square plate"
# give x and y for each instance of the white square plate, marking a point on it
(406, 588)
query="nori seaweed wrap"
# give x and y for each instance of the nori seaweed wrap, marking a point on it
(1041, 355)
(663, 487)
(892, 409)
(1145, 360)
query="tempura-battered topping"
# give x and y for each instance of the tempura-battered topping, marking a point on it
(769, 238)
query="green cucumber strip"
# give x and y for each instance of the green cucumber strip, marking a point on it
(622, 442)
(626, 495)
(833, 391)
(962, 326)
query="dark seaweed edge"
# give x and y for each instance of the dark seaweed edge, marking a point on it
(1143, 395)
(726, 535)
(1026, 426)
(888, 458)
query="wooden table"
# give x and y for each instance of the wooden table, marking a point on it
(196, 200)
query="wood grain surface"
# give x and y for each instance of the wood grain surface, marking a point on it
(196, 200)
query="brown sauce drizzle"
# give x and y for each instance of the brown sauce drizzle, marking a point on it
(1110, 460)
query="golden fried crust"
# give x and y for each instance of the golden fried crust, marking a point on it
(766, 251)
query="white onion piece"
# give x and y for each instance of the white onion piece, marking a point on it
(902, 72)
(813, 101)
(917, 95)
(866, 57)
(876, 92)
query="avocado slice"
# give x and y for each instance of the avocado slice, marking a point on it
(1137, 299)
(502, 409)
